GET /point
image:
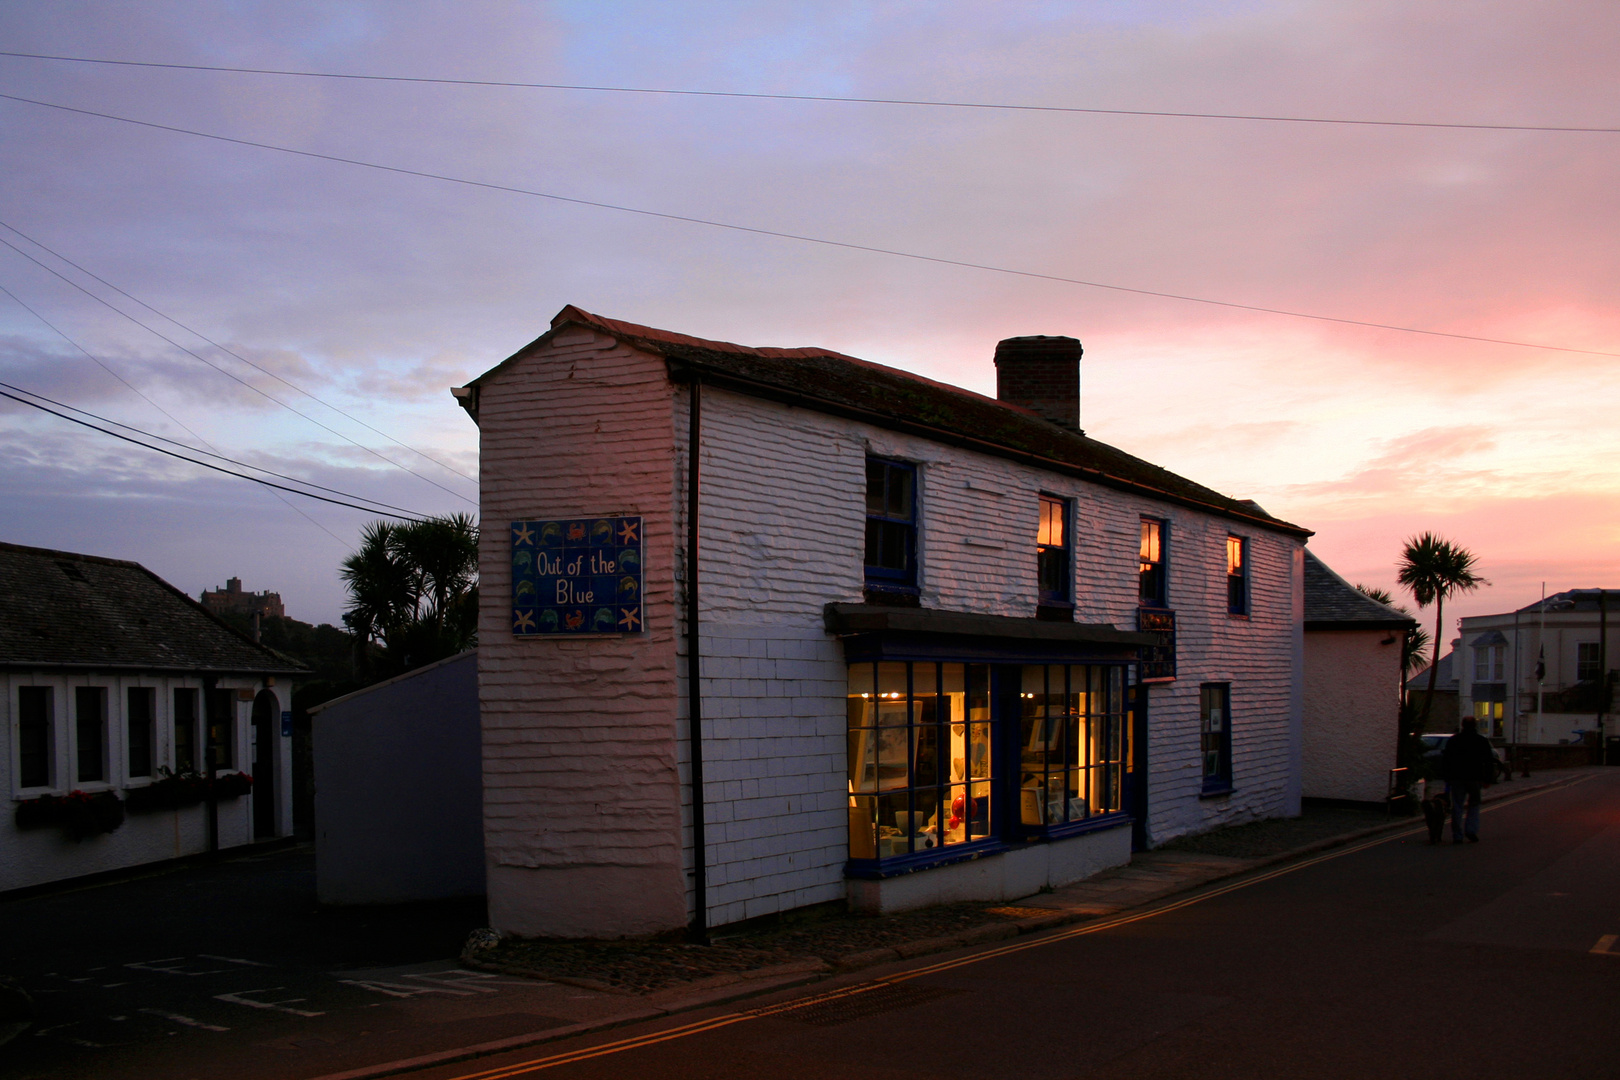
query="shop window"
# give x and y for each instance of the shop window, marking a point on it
(1072, 736)
(1152, 569)
(185, 731)
(1215, 735)
(36, 736)
(1588, 664)
(920, 758)
(1054, 558)
(90, 731)
(891, 526)
(1237, 576)
(139, 729)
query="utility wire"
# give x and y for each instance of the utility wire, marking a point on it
(229, 352)
(195, 461)
(839, 98)
(176, 420)
(211, 453)
(822, 241)
(231, 375)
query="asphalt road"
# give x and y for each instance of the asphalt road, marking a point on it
(1390, 959)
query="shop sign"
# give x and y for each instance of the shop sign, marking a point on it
(577, 576)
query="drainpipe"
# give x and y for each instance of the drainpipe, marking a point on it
(1603, 661)
(698, 931)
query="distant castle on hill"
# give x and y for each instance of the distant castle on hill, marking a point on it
(232, 600)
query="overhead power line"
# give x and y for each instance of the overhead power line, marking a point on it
(837, 98)
(205, 464)
(172, 418)
(845, 245)
(229, 352)
(210, 453)
(232, 375)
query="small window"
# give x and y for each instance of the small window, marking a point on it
(1489, 663)
(1053, 558)
(1215, 735)
(222, 728)
(90, 728)
(1152, 564)
(185, 731)
(36, 742)
(139, 728)
(891, 525)
(1237, 576)
(1588, 664)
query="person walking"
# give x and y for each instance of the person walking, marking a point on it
(1468, 763)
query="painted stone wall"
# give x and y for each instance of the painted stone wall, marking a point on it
(38, 855)
(1352, 706)
(581, 806)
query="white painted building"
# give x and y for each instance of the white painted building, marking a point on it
(113, 680)
(1564, 639)
(1353, 648)
(949, 647)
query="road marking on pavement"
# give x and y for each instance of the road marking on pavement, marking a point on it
(278, 1006)
(232, 960)
(176, 967)
(186, 1020)
(403, 990)
(1605, 945)
(698, 1027)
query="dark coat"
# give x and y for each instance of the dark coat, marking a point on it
(1468, 759)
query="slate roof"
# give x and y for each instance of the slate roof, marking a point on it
(1332, 603)
(59, 609)
(845, 385)
(1575, 600)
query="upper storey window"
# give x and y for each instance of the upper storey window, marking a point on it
(1237, 576)
(1152, 565)
(1054, 560)
(891, 525)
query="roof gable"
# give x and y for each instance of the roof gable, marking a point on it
(845, 385)
(63, 609)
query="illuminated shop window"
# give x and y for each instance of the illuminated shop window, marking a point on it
(920, 757)
(1072, 737)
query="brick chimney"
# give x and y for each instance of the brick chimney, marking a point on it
(1041, 373)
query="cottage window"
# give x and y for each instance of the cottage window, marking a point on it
(90, 730)
(185, 730)
(920, 758)
(140, 730)
(1215, 735)
(1072, 743)
(1588, 664)
(222, 728)
(1054, 561)
(891, 526)
(1237, 576)
(36, 742)
(1152, 570)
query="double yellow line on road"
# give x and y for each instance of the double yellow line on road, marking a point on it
(1097, 926)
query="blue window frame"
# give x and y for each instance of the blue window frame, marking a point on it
(891, 525)
(1153, 563)
(1215, 736)
(1237, 576)
(1073, 743)
(1054, 554)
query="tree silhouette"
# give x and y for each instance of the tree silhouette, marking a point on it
(413, 591)
(1434, 569)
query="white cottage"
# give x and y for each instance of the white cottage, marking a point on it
(947, 646)
(122, 695)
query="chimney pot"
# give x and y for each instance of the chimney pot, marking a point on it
(1042, 374)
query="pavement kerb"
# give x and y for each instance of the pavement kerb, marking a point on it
(689, 997)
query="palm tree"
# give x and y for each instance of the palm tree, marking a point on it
(1434, 569)
(413, 589)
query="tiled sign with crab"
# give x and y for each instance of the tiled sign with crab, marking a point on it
(577, 576)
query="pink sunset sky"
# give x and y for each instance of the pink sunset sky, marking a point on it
(377, 291)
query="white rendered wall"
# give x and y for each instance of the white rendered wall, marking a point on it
(35, 856)
(1352, 712)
